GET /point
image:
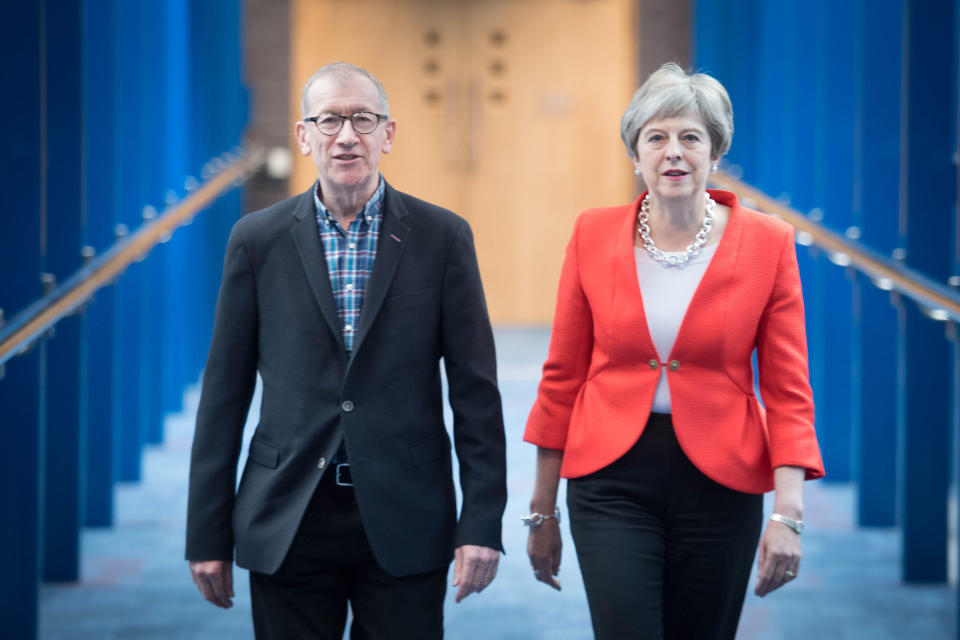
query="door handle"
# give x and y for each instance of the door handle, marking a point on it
(474, 114)
(451, 133)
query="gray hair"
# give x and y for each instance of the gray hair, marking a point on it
(669, 92)
(344, 71)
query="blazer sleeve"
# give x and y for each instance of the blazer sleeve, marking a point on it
(783, 370)
(470, 361)
(568, 361)
(228, 383)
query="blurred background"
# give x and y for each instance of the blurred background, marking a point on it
(136, 133)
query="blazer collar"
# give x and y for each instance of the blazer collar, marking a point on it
(307, 240)
(390, 245)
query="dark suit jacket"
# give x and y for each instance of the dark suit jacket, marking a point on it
(276, 315)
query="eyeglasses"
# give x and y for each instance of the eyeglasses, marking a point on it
(363, 122)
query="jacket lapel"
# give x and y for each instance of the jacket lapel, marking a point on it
(628, 299)
(306, 237)
(390, 245)
(713, 286)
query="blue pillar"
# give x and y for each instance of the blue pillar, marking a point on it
(131, 147)
(808, 193)
(878, 162)
(774, 98)
(177, 317)
(834, 147)
(929, 179)
(20, 262)
(100, 100)
(65, 443)
(151, 337)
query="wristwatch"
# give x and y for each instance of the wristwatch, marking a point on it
(796, 525)
(536, 519)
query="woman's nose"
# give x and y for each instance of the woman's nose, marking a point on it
(674, 150)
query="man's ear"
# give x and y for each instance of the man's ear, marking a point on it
(300, 132)
(391, 130)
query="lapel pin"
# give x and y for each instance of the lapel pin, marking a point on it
(395, 237)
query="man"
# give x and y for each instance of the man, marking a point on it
(345, 298)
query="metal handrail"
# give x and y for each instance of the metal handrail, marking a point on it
(22, 332)
(937, 300)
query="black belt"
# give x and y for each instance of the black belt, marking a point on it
(342, 476)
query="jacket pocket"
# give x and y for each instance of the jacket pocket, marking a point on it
(428, 451)
(265, 454)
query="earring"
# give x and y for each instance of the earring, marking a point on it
(637, 172)
(714, 169)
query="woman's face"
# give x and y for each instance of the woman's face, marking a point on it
(673, 155)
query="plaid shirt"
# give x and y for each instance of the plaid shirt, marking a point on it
(350, 255)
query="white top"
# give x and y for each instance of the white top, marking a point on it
(667, 292)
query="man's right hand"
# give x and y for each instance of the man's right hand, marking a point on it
(214, 578)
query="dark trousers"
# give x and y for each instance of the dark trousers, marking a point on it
(665, 552)
(329, 564)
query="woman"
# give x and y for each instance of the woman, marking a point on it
(647, 402)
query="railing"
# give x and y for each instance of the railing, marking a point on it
(24, 329)
(938, 301)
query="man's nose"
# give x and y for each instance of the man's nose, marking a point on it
(347, 136)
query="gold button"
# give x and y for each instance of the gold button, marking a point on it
(321, 463)
(674, 365)
(653, 363)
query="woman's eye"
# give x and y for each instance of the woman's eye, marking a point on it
(692, 138)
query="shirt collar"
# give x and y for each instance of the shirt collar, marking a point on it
(371, 208)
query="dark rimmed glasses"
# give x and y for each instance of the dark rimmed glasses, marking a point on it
(363, 122)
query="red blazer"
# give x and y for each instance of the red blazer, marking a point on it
(600, 376)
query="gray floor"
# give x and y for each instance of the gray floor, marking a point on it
(135, 584)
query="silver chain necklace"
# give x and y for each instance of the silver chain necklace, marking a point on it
(643, 227)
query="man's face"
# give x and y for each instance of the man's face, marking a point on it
(346, 161)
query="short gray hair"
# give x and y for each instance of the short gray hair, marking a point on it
(669, 92)
(344, 71)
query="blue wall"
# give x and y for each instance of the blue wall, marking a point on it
(848, 112)
(117, 104)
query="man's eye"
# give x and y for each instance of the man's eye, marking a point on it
(329, 120)
(363, 119)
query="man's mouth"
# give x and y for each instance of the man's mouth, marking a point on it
(346, 157)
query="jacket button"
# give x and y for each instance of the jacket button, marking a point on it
(321, 463)
(653, 363)
(347, 406)
(674, 365)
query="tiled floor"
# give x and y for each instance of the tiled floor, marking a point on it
(136, 586)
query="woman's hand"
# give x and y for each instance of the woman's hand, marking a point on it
(778, 561)
(543, 547)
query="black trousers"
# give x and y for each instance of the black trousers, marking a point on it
(329, 564)
(665, 552)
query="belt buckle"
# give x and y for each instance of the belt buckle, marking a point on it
(343, 477)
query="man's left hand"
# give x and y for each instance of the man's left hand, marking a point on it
(474, 568)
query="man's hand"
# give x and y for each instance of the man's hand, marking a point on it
(474, 568)
(214, 578)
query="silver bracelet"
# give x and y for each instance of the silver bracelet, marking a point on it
(796, 525)
(536, 519)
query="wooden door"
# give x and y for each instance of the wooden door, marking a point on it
(507, 113)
